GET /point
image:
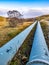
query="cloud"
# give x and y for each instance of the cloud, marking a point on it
(27, 12)
(32, 13)
(3, 12)
(36, 12)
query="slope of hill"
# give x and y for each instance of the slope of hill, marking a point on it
(7, 32)
(3, 21)
(46, 17)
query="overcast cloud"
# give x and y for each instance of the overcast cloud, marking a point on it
(28, 13)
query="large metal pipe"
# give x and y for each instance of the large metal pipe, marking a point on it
(39, 52)
(8, 51)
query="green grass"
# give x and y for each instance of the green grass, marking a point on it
(24, 50)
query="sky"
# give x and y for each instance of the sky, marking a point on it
(9, 4)
(25, 5)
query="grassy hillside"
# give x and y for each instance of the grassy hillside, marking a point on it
(2, 21)
(46, 17)
(7, 32)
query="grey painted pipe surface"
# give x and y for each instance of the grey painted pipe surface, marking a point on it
(39, 53)
(8, 51)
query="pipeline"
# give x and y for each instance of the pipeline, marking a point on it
(39, 53)
(8, 51)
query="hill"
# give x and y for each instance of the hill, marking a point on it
(46, 17)
(8, 29)
(3, 21)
